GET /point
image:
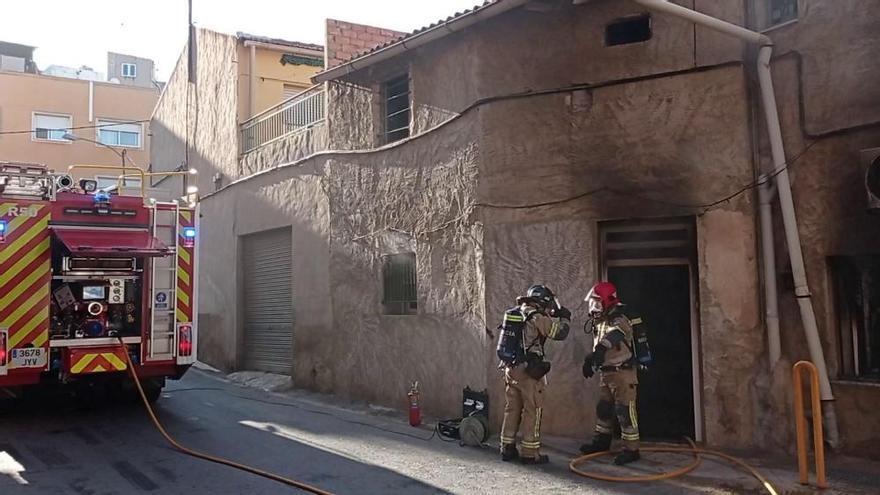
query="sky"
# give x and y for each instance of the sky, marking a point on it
(81, 32)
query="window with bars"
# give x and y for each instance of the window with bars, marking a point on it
(857, 301)
(396, 98)
(399, 288)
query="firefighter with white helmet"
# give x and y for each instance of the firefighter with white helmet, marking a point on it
(614, 358)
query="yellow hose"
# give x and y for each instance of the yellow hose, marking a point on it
(208, 457)
(697, 453)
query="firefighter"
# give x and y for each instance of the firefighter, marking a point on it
(526, 327)
(614, 358)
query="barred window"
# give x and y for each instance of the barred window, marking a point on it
(397, 109)
(400, 294)
(857, 286)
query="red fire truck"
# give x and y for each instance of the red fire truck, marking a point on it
(82, 268)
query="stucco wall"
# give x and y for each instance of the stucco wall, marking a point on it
(291, 148)
(682, 139)
(827, 103)
(347, 210)
(203, 114)
(23, 94)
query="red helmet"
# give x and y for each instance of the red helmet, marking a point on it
(602, 297)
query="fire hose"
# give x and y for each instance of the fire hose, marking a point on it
(696, 452)
(208, 457)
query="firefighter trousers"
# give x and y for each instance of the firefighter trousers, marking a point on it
(617, 401)
(524, 402)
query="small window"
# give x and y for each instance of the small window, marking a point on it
(857, 288)
(397, 107)
(123, 135)
(400, 295)
(129, 70)
(50, 127)
(771, 13)
(628, 30)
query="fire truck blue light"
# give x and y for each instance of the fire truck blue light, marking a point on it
(2, 226)
(189, 232)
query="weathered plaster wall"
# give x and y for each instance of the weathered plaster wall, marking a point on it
(827, 102)
(681, 139)
(288, 149)
(347, 211)
(291, 197)
(201, 114)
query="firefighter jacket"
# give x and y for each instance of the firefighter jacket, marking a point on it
(615, 332)
(540, 327)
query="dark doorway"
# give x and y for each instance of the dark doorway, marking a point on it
(661, 296)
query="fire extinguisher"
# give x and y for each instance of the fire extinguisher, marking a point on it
(415, 412)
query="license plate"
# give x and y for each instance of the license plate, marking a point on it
(28, 358)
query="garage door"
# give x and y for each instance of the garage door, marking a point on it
(267, 260)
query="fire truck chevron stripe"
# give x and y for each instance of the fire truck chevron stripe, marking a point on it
(98, 362)
(34, 229)
(184, 255)
(182, 275)
(22, 263)
(187, 216)
(183, 297)
(181, 316)
(83, 361)
(38, 270)
(40, 298)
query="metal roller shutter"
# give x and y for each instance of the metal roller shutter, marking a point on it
(267, 263)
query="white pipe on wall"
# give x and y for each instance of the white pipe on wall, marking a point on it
(783, 186)
(768, 258)
(252, 81)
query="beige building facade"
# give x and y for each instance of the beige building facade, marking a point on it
(36, 111)
(448, 176)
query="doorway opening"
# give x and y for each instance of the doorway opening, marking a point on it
(652, 265)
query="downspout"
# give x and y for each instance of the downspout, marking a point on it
(252, 81)
(783, 188)
(766, 192)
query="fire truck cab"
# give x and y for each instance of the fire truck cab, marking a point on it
(82, 270)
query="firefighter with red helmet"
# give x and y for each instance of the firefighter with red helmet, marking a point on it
(614, 358)
(526, 327)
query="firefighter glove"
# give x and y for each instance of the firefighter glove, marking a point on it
(587, 369)
(599, 355)
(562, 313)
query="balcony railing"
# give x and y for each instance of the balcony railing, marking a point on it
(291, 115)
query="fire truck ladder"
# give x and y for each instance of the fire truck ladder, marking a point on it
(163, 284)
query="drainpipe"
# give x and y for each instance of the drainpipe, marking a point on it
(783, 188)
(252, 81)
(771, 300)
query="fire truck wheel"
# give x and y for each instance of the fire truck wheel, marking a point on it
(152, 389)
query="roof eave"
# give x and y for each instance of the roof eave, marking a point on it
(434, 33)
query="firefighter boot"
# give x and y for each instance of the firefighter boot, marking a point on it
(601, 443)
(540, 459)
(626, 456)
(509, 453)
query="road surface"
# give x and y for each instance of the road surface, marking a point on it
(52, 446)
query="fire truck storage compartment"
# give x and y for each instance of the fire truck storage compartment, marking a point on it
(94, 297)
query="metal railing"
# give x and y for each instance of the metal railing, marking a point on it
(291, 115)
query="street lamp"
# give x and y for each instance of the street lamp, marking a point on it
(72, 137)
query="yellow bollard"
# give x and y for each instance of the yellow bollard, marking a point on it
(801, 423)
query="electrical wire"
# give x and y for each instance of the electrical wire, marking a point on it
(95, 126)
(705, 207)
(208, 457)
(693, 449)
